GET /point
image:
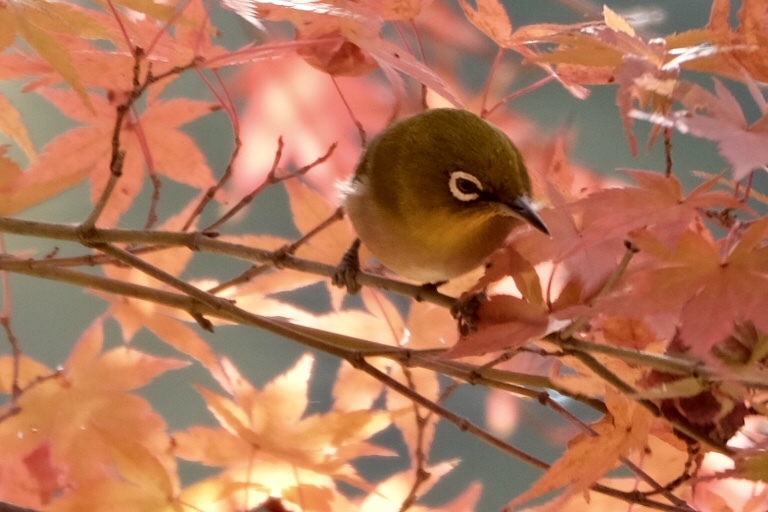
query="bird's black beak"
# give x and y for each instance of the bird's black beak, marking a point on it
(523, 208)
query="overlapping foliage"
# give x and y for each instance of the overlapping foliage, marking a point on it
(648, 304)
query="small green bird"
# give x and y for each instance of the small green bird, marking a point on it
(436, 193)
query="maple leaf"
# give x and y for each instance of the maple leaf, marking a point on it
(89, 420)
(732, 52)
(12, 126)
(657, 203)
(269, 428)
(623, 431)
(164, 322)
(581, 251)
(507, 322)
(712, 287)
(612, 52)
(392, 492)
(719, 117)
(39, 22)
(85, 151)
(491, 18)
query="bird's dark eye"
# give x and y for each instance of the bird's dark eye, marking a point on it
(464, 186)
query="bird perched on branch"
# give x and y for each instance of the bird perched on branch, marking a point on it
(434, 194)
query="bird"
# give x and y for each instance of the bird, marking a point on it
(434, 194)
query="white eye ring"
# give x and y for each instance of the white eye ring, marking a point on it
(464, 186)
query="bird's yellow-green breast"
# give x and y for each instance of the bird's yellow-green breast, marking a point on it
(436, 193)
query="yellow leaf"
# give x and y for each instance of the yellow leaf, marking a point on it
(616, 22)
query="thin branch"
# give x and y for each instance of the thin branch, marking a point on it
(609, 284)
(271, 179)
(255, 270)
(117, 157)
(518, 93)
(668, 152)
(249, 197)
(206, 243)
(355, 121)
(212, 191)
(487, 89)
(156, 183)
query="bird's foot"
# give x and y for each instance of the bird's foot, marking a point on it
(465, 311)
(348, 269)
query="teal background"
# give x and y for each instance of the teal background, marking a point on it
(49, 317)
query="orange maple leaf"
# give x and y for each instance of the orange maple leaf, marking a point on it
(589, 457)
(85, 151)
(90, 421)
(270, 427)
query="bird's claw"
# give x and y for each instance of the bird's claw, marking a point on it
(465, 310)
(348, 270)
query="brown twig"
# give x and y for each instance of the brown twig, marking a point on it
(117, 157)
(668, 152)
(271, 179)
(257, 270)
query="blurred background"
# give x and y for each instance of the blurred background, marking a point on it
(49, 317)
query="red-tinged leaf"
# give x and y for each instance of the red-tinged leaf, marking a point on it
(630, 332)
(184, 339)
(13, 66)
(389, 55)
(718, 117)
(581, 252)
(309, 209)
(491, 18)
(63, 164)
(7, 29)
(508, 262)
(658, 203)
(271, 281)
(68, 410)
(67, 18)
(230, 416)
(398, 9)
(713, 293)
(357, 324)
(354, 390)
(85, 352)
(505, 322)
(616, 22)
(11, 125)
(154, 9)
(381, 307)
(177, 112)
(430, 326)
(87, 151)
